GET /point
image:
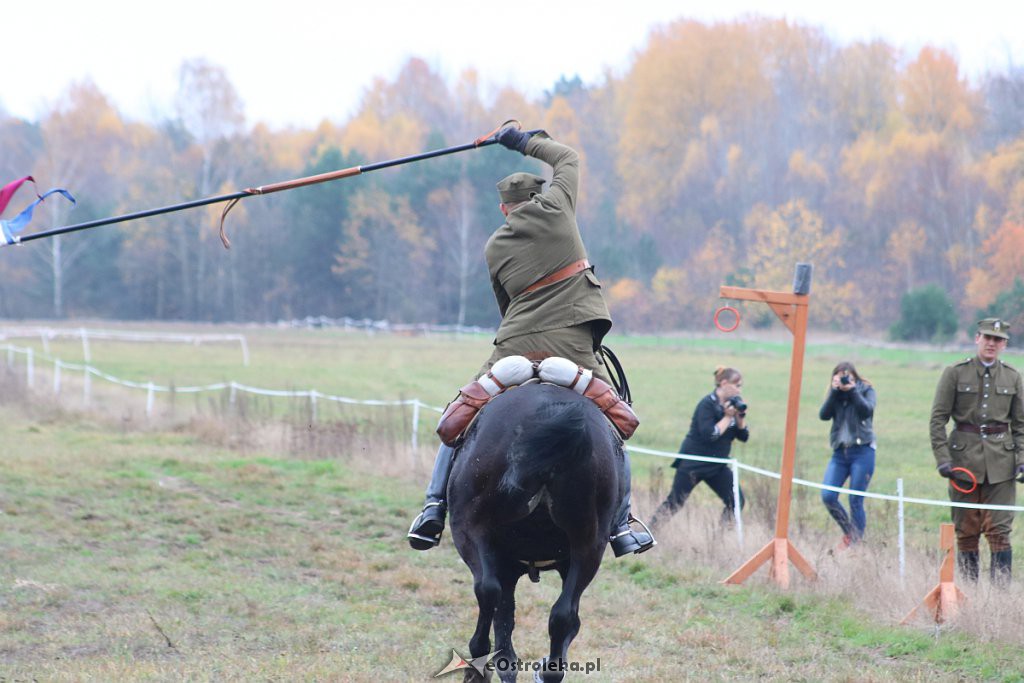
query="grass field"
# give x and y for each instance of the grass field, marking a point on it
(213, 546)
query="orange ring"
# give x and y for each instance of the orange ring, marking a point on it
(974, 480)
(734, 325)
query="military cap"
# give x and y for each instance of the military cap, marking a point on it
(519, 187)
(994, 327)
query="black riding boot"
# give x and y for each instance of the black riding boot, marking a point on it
(623, 539)
(967, 561)
(1000, 569)
(426, 529)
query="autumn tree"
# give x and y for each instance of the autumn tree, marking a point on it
(84, 144)
(790, 234)
(383, 256)
(210, 110)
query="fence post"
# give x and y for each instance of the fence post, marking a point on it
(85, 345)
(312, 405)
(233, 394)
(56, 377)
(86, 385)
(737, 510)
(30, 371)
(149, 399)
(899, 516)
(245, 350)
(415, 423)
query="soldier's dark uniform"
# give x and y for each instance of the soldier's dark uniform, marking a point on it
(985, 404)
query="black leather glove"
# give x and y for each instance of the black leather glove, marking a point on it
(1020, 474)
(946, 470)
(513, 139)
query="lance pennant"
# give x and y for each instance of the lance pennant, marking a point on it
(11, 228)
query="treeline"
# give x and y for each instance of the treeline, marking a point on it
(724, 155)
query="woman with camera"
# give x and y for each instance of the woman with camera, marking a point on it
(850, 404)
(720, 417)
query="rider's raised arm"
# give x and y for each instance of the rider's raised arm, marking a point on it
(566, 164)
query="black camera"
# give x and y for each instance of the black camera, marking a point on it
(845, 380)
(738, 403)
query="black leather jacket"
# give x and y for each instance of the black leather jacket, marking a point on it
(851, 413)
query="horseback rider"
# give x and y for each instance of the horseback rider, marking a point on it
(551, 305)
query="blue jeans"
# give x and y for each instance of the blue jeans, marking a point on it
(858, 464)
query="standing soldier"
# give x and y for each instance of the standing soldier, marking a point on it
(983, 396)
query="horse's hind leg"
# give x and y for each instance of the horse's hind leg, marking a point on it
(487, 586)
(564, 621)
(504, 623)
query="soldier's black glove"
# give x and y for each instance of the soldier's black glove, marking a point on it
(1020, 474)
(513, 139)
(946, 470)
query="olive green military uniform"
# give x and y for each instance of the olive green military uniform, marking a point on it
(985, 404)
(540, 237)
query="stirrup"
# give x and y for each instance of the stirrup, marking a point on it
(633, 545)
(425, 541)
(647, 529)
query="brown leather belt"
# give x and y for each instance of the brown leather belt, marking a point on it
(988, 428)
(558, 276)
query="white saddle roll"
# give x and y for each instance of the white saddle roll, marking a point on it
(509, 371)
(563, 372)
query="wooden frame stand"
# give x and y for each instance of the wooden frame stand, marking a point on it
(791, 308)
(943, 601)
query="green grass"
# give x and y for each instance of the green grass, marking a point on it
(268, 552)
(129, 557)
(668, 375)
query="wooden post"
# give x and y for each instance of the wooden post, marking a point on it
(943, 601)
(791, 308)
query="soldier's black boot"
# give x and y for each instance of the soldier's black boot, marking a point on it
(967, 561)
(625, 540)
(425, 532)
(1001, 567)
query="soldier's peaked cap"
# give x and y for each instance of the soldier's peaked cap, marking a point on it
(519, 187)
(994, 327)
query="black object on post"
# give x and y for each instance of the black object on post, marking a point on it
(802, 278)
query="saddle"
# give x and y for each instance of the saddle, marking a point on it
(515, 370)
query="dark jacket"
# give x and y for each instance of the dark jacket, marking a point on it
(701, 439)
(851, 413)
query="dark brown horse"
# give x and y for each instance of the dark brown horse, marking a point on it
(535, 485)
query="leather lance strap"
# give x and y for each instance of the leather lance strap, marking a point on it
(987, 428)
(558, 276)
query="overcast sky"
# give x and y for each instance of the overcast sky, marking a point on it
(297, 62)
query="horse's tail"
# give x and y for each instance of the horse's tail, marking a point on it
(557, 440)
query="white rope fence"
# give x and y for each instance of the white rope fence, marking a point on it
(47, 334)
(314, 396)
(152, 388)
(373, 326)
